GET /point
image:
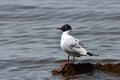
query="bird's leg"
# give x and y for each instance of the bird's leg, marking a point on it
(68, 60)
(73, 59)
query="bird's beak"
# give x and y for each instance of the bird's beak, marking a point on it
(58, 28)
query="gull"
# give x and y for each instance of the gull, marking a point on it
(71, 45)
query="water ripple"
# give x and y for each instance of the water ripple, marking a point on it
(30, 43)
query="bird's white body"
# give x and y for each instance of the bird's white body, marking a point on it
(71, 45)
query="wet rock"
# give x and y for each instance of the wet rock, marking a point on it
(73, 69)
(84, 68)
(113, 68)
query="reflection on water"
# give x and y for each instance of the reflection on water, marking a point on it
(29, 41)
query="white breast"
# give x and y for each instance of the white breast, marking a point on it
(64, 37)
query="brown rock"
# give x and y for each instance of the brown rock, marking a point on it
(113, 68)
(84, 68)
(73, 69)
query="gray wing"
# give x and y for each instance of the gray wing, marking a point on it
(75, 43)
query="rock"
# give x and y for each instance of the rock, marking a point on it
(113, 68)
(73, 69)
(84, 68)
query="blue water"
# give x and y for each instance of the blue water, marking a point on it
(30, 43)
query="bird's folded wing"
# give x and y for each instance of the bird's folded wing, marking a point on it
(74, 43)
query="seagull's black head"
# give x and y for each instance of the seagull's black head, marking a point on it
(65, 27)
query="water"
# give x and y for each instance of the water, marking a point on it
(29, 41)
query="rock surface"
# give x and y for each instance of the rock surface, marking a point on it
(113, 68)
(84, 68)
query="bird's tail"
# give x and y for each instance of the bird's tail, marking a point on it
(91, 54)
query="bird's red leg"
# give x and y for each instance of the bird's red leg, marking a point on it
(68, 60)
(73, 59)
